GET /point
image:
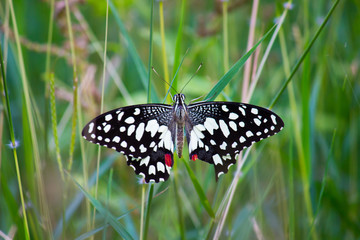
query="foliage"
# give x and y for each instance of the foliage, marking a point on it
(62, 63)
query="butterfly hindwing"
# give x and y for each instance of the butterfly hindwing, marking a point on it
(142, 133)
(220, 130)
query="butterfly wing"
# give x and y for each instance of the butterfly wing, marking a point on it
(218, 131)
(142, 133)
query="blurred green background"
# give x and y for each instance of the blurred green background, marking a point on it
(302, 183)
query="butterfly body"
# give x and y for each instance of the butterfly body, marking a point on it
(215, 132)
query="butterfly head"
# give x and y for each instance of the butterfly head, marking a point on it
(179, 98)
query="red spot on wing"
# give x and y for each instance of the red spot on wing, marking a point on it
(168, 160)
(194, 157)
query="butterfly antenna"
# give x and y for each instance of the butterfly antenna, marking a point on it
(170, 85)
(192, 76)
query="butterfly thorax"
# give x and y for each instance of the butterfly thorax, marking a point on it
(179, 117)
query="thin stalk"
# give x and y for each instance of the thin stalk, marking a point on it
(236, 178)
(250, 43)
(111, 69)
(144, 226)
(179, 208)
(75, 85)
(178, 45)
(266, 54)
(44, 209)
(142, 212)
(144, 223)
(13, 143)
(295, 129)
(225, 35)
(84, 170)
(150, 50)
(51, 79)
(323, 183)
(148, 207)
(101, 106)
(298, 63)
(54, 123)
(163, 44)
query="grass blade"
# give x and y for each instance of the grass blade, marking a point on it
(13, 145)
(297, 65)
(203, 199)
(133, 53)
(118, 227)
(221, 84)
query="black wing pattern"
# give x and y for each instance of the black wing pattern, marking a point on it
(218, 131)
(142, 133)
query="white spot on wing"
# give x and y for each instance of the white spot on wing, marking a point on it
(234, 145)
(136, 111)
(249, 133)
(212, 142)
(160, 167)
(241, 124)
(242, 111)
(139, 131)
(123, 144)
(273, 118)
(152, 126)
(131, 129)
(224, 108)
(198, 133)
(200, 127)
(232, 124)
(152, 170)
(120, 116)
(130, 120)
(210, 124)
(166, 141)
(108, 117)
(257, 121)
(91, 127)
(132, 149)
(145, 161)
(116, 139)
(224, 128)
(242, 139)
(254, 111)
(162, 128)
(193, 141)
(142, 148)
(233, 116)
(107, 128)
(217, 159)
(223, 146)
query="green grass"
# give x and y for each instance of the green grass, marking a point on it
(302, 183)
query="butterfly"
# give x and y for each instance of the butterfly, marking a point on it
(148, 134)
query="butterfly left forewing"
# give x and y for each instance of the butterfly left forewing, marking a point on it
(142, 133)
(218, 131)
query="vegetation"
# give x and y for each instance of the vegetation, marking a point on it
(64, 62)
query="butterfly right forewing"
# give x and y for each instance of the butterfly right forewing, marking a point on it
(218, 131)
